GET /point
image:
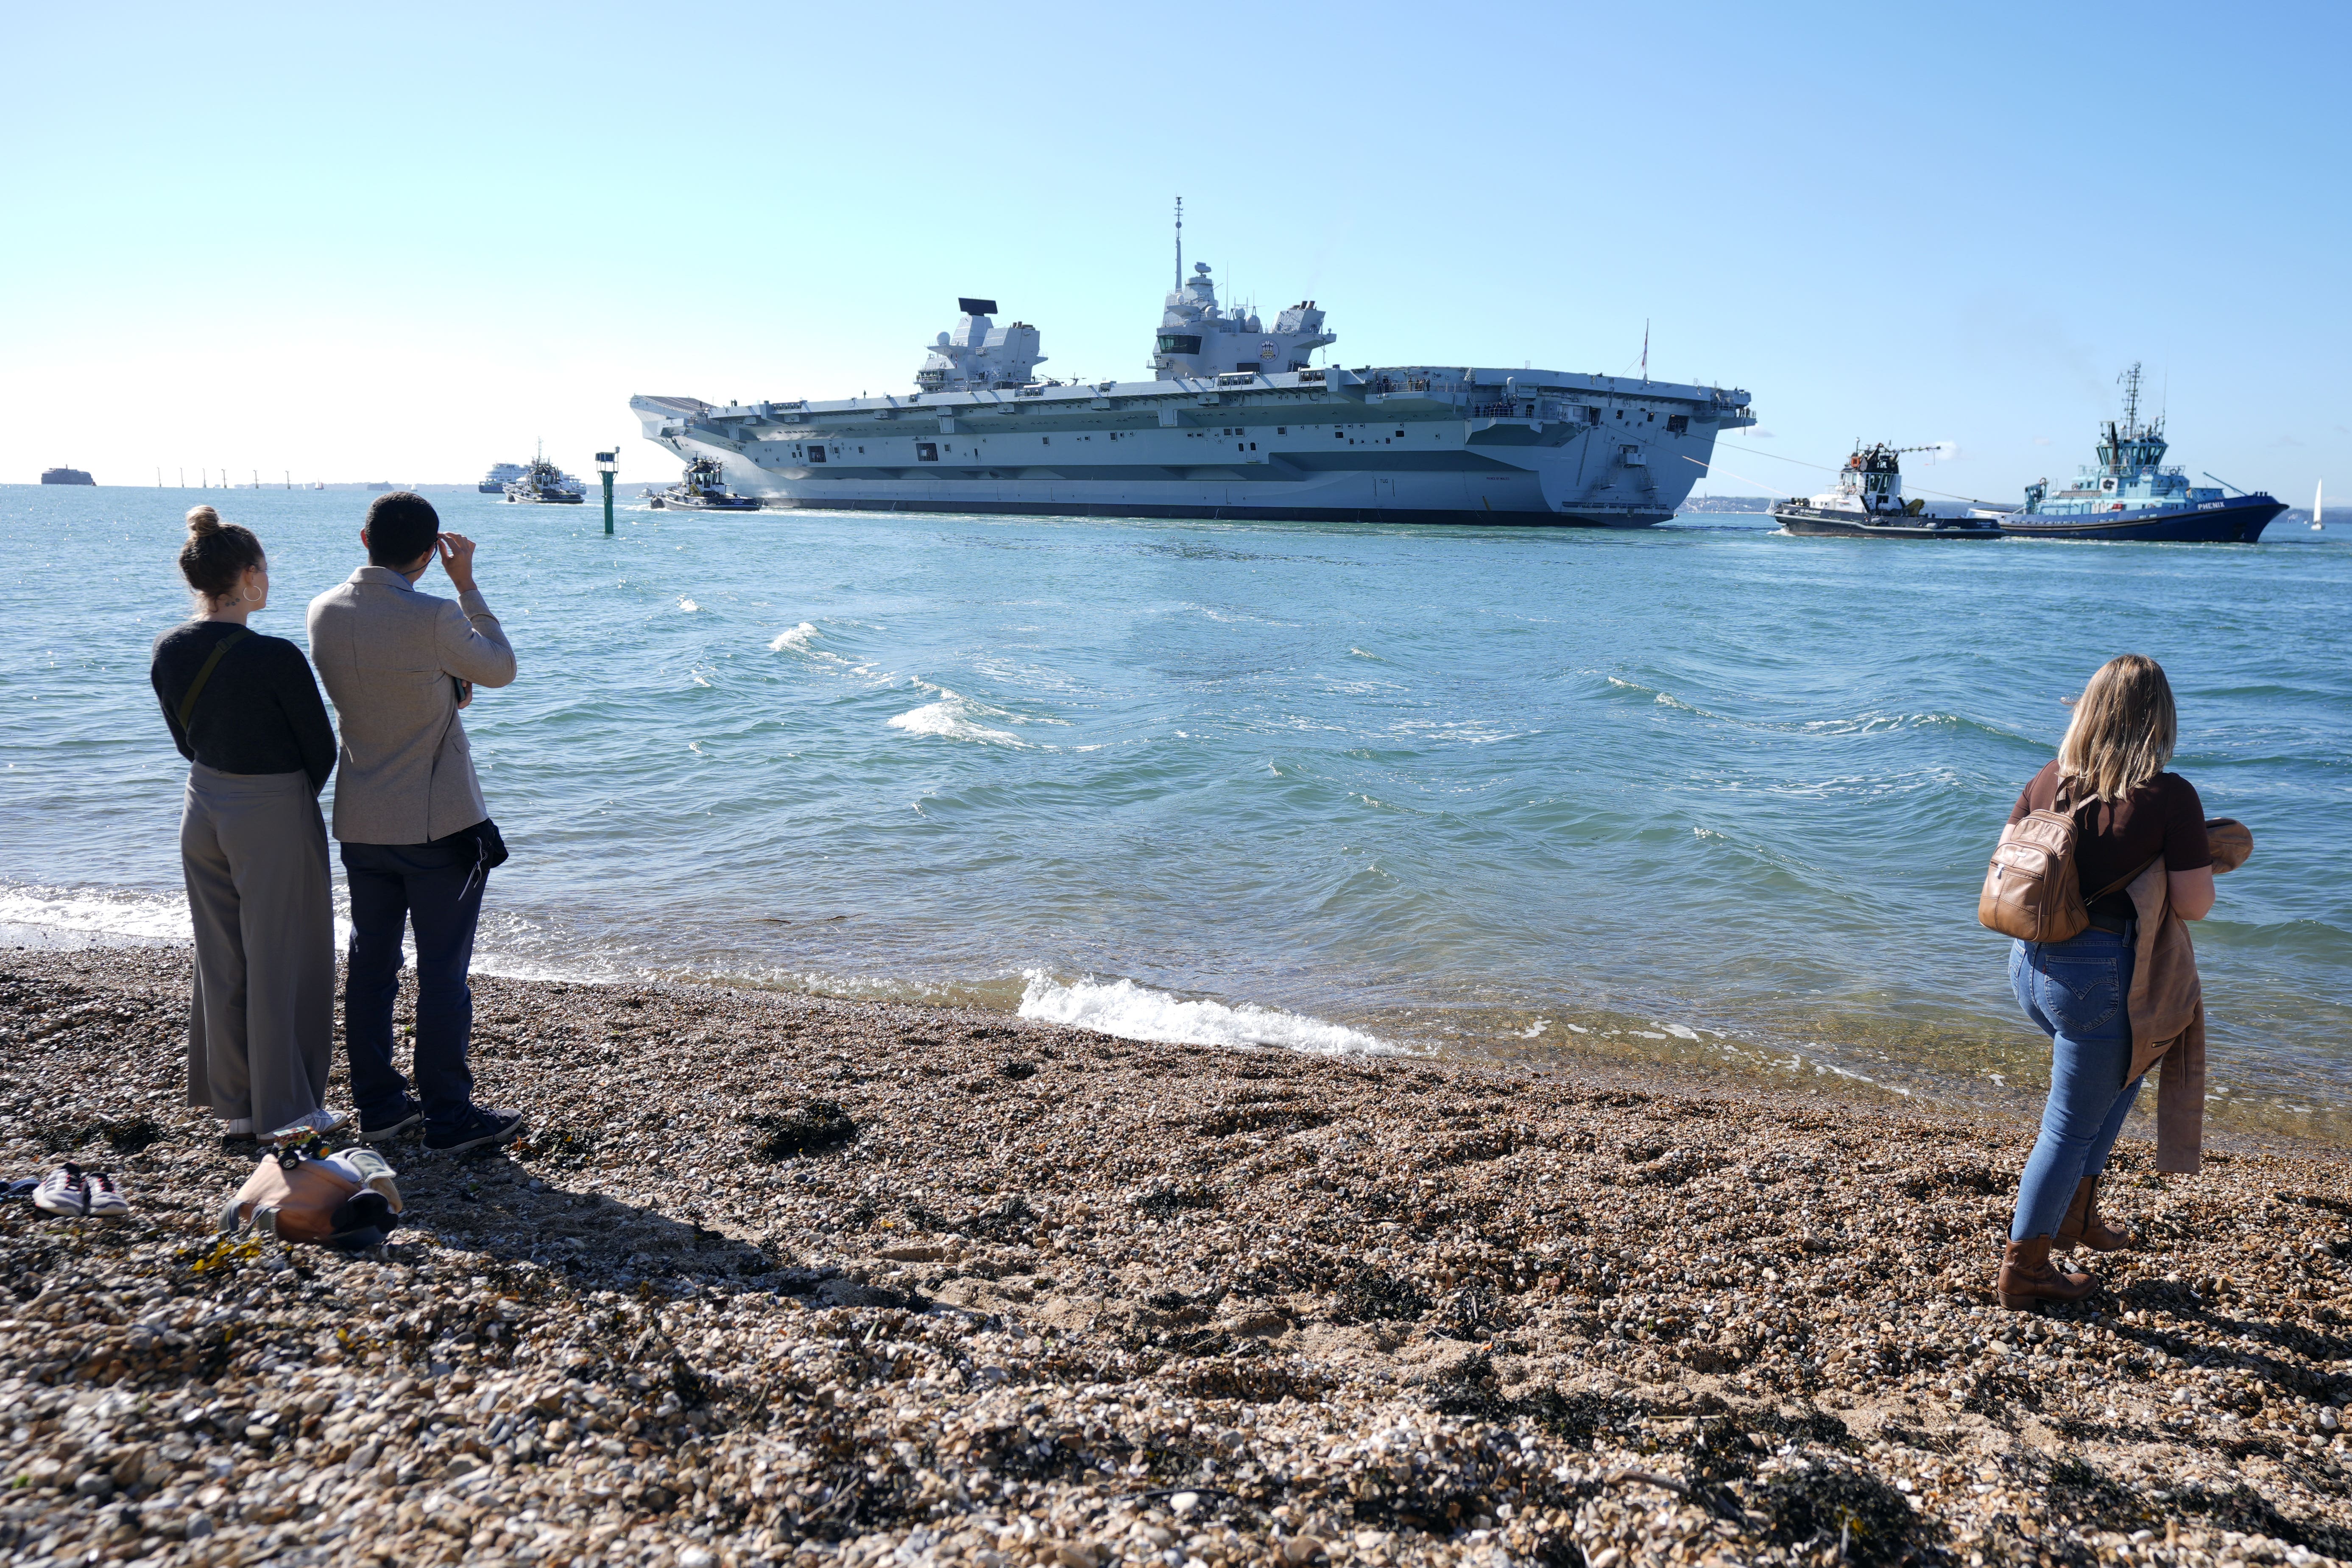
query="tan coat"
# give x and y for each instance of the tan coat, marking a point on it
(2166, 1006)
(386, 655)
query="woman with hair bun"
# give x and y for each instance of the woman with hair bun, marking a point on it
(244, 710)
(2129, 815)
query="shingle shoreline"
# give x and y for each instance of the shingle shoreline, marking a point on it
(783, 1277)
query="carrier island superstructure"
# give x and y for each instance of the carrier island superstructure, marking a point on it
(1235, 423)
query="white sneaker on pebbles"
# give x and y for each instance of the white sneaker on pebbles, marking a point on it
(75, 1194)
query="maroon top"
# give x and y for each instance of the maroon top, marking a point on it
(2162, 817)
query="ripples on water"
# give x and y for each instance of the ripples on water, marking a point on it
(1705, 794)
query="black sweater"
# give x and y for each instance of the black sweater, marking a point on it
(259, 714)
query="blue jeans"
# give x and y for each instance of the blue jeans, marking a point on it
(394, 886)
(2076, 991)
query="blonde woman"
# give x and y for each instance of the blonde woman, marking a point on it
(2129, 813)
(245, 712)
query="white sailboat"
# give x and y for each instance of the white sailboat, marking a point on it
(2318, 493)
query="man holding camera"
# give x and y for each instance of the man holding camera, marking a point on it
(417, 842)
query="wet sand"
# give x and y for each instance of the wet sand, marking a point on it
(779, 1277)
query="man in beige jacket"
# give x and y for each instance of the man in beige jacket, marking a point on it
(417, 842)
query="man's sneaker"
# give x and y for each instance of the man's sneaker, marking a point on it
(238, 1127)
(77, 1194)
(408, 1118)
(478, 1129)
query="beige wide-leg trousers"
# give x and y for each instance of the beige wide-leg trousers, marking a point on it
(261, 1025)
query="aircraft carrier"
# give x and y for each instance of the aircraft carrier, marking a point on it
(1235, 423)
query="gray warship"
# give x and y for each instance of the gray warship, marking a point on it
(1237, 422)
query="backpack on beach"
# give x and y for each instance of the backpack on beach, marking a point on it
(346, 1200)
(2032, 891)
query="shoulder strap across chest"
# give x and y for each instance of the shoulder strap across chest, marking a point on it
(212, 662)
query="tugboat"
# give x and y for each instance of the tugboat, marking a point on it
(1868, 504)
(500, 475)
(2131, 495)
(66, 476)
(704, 489)
(544, 484)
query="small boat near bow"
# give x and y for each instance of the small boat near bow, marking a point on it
(1868, 504)
(704, 489)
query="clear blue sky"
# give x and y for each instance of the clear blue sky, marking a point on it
(404, 242)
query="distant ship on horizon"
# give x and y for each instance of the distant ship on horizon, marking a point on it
(500, 475)
(66, 476)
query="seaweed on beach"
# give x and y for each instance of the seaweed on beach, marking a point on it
(1818, 1507)
(2080, 1492)
(1012, 1215)
(1373, 1295)
(558, 1148)
(1163, 1199)
(809, 1129)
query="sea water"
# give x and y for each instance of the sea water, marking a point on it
(1703, 793)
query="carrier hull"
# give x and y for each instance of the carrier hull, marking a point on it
(1407, 444)
(1483, 518)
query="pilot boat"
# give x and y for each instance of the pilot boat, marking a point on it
(544, 484)
(1868, 504)
(704, 489)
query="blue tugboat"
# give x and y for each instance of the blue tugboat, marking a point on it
(2131, 495)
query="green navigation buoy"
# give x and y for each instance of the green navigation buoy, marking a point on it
(606, 462)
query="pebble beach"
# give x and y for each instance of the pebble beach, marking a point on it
(777, 1279)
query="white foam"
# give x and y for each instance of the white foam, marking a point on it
(794, 641)
(689, 605)
(1133, 1012)
(90, 917)
(945, 719)
(953, 717)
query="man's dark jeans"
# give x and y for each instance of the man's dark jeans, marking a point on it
(393, 885)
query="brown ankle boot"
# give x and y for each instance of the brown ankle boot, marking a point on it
(2027, 1276)
(2084, 1225)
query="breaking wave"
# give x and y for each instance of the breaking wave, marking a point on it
(954, 716)
(794, 641)
(90, 917)
(1133, 1012)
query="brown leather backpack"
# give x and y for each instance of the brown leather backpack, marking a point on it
(2032, 891)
